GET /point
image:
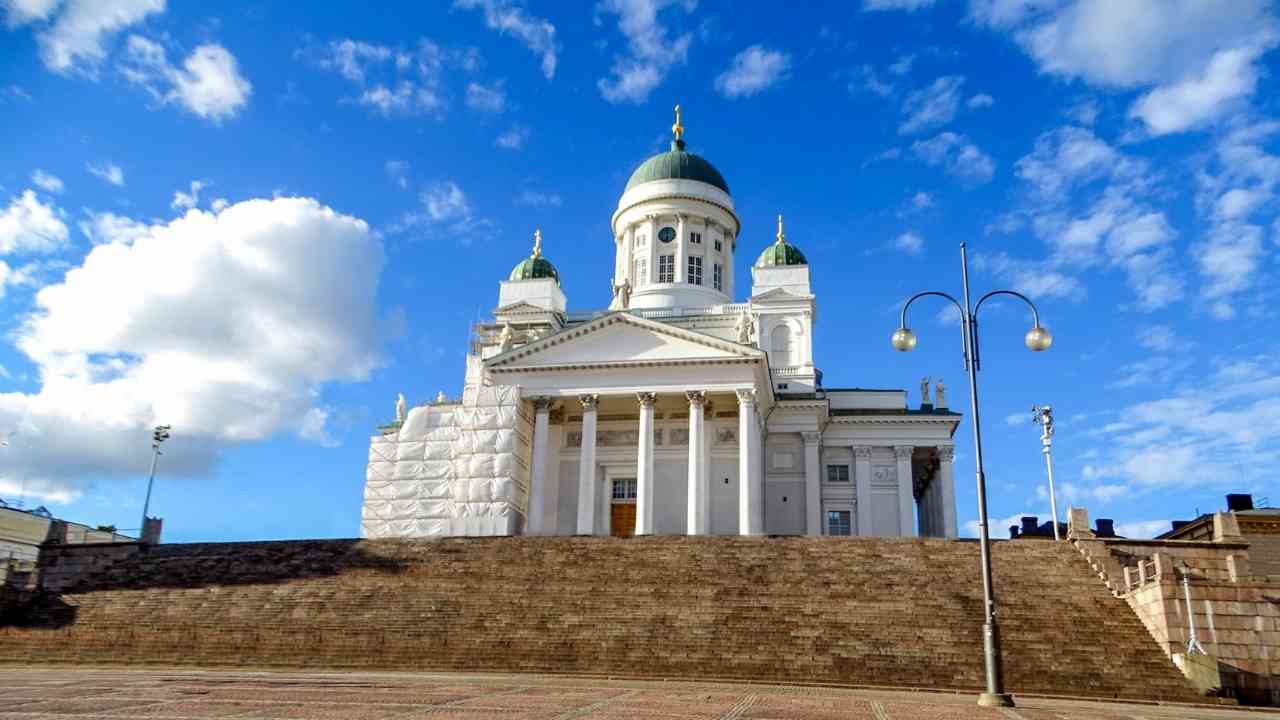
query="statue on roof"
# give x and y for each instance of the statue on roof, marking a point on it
(743, 327)
(940, 394)
(621, 295)
(441, 398)
(400, 407)
(924, 390)
(505, 338)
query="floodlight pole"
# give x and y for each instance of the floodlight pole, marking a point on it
(159, 435)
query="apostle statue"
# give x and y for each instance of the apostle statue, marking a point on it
(621, 295)
(505, 338)
(940, 394)
(441, 398)
(744, 327)
(400, 411)
(924, 390)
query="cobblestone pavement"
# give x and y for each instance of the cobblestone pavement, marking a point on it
(31, 693)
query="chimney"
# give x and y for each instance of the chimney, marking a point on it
(1239, 501)
(151, 531)
(1106, 527)
(1029, 524)
(1013, 532)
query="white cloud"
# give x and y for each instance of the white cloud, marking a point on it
(394, 81)
(998, 527)
(932, 106)
(872, 82)
(922, 201)
(533, 198)
(489, 99)
(902, 65)
(508, 18)
(909, 243)
(446, 203)
(107, 227)
(1160, 338)
(29, 225)
(352, 59)
(981, 100)
(20, 12)
(187, 200)
(404, 99)
(1084, 112)
(75, 40)
(1229, 258)
(1143, 529)
(208, 84)
(226, 325)
(1034, 279)
(907, 5)
(514, 138)
(398, 171)
(753, 70)
(110, 172)
(957, 156)
(651, 53)
(46, 181)
(1201, 97)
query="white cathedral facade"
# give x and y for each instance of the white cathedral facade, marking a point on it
(676, 410)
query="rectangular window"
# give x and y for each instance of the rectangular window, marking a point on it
(666, 268)
(639, 241)
(719, 245)
(695, 238)
(838, 473)
(717, 276)
(642, 272)
(624, 489)
(695, 271)
(839, 522)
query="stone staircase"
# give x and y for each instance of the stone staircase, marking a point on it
(856, 611)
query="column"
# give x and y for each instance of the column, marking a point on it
(812, 483)
(947, 488)
(697, 523)
(587, 467)
(630, 239)
(651, 246)
(906, 523)
(750, 482)
(862, 483)
(682, 251)
(644, 466)
(536, 522)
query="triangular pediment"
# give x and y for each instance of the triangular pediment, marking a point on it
(520, 307)
(623, 339)
(778, 294)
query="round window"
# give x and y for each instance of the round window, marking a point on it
(667, 234)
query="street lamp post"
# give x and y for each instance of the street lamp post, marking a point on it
(1042, 415)
(159, 435)
(1037, 339)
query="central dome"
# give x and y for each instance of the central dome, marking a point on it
(676, 164)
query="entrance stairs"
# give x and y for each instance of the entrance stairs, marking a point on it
(850, 611)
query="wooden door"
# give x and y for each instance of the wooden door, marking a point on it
(622, 520)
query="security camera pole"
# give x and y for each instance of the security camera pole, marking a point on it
(159, 435)
(1042, 415)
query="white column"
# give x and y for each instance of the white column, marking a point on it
(629, 237)
(906, 521)
(862, 489)
(587, 467)
(812, 483)
(750, 482)
(697, 476)
(651, 246)
(947, 488)
(644, 466)
(682, 251)
(536, 522)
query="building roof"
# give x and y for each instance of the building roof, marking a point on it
(535, 266)
(677, 164)
(781, 252)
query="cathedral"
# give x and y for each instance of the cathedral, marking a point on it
(676, 410)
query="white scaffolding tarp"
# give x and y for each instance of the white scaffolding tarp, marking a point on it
(451, 470)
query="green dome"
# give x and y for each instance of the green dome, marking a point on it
(535, 266)
(676, 164)
(781, 252)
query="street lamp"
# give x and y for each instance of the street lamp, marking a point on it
(1037, 339)
(1042, 415)
(159, 435)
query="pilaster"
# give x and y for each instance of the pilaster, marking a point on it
(862, 482)
(812, 483)
(536, 522)
(750, 482)
(698, 489)
(947, 488)
(644, 465)
(587, 467)
(906, 523)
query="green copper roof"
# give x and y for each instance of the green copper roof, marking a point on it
(535, 266)
(676, 164)
(781, 252)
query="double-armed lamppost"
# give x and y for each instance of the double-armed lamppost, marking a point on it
(158, 435)
(1037, 339)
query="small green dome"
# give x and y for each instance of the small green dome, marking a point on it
(676, 164)
(535, 266)
(781, 252)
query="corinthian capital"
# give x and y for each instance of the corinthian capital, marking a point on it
(589, 401)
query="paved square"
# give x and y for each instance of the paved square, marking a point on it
(47, 692)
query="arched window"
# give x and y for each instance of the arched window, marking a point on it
(783, 342)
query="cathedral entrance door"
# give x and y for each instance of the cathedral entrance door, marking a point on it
(622, 511)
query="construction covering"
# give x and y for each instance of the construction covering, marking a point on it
(459, 469)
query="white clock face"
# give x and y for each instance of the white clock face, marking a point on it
(667, 234)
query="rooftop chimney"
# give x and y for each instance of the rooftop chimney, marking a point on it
(1106, 527)
(1029, 524)
(1239, 501)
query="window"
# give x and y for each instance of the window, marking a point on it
(717, 276)
(838, 473)
(625, 489)
(695, 271)
(784, 353)
(695, 238)
(642, 272)
(640, 240)
(839, 522)
(667, 234)
(666, 268)
(719, 245)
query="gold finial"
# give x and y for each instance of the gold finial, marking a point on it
(537, 242)
(782, 237)
(677, 129)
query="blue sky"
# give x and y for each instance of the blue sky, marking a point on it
(259, 225)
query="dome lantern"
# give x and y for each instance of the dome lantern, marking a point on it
(781, 253)
(535, 267)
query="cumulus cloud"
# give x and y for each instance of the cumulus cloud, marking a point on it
(932, 106)
(75, 39)
(753, 70)
(446, 203)
(208, 84)
(514, 138)
(909, 243)
(533, 198)
(957, 155)
(108, 172)
(21, 12)
(508, 18)
(226, 325)
(650, 53)
(980, 100)
(1200, 97)
(106, 227)
(394, 80)
(487, 98)
(46, 181)
(187, 200)
(29, 225)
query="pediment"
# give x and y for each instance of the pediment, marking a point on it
(520, 307)
(777, 294)
(623, 339)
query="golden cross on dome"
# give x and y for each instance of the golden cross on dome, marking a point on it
(537, 242)
(781, 235)
(677, 129)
